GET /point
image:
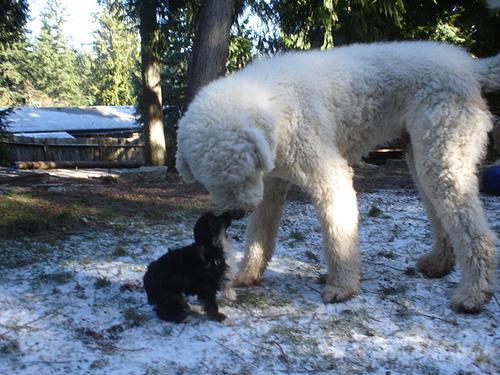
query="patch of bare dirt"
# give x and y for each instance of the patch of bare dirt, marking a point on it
(67, 200)
(130, 195)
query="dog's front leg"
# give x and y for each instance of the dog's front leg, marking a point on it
(336, 204)
(261, 232)
(209, 302)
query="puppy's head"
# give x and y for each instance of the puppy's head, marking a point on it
(210, 230)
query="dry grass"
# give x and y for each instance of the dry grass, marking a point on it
(70, 207)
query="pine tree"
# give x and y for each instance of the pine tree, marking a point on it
(12, 22)
(13, 50)
(84, 66)
(14, 60)
(13, 19)
(116, 66)
(55, 71)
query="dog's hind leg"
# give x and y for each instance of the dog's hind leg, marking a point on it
(261, 232)
(335, 198)
(173, 308)
(448, 142)
(440, 260)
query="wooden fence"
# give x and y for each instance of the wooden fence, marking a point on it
(85, 151)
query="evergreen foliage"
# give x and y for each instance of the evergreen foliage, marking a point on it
(14, 62)
(116, 69)
(177, 28)
(241, 46)
(12, 23)
(13, 20)
(84, 65)
(55, 71)
(326, 23)
(49, 72)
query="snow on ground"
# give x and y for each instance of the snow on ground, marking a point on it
(77, 306)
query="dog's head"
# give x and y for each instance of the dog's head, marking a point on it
(210, 230)
(227, 142)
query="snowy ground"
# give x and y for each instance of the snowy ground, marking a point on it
(76, 305)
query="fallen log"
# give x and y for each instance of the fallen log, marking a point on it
(76, 164)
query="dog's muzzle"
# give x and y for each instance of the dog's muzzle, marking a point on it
(238, 214)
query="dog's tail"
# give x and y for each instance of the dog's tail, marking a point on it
(488, 73)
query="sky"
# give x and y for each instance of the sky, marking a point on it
(79, 23)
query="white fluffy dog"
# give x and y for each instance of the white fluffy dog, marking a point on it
(305, 117)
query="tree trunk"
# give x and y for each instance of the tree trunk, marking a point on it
(154, 137)
(211, 44)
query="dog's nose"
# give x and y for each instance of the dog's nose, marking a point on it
(237, 213)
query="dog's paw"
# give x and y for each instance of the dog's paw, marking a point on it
(470, 302)
(230, 293)
(179, 316)
(434, 264)
(333, 293)
(218, 317)
(246, 281)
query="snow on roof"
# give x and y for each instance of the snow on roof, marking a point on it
(36, 120)
(45, 135)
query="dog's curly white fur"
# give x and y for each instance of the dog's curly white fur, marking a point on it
(304, 118)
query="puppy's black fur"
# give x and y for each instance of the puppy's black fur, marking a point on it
(197, 269)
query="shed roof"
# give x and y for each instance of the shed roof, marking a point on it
(43, 120)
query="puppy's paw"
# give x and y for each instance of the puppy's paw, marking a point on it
(178, 316)
(218, 317)
(186, 319)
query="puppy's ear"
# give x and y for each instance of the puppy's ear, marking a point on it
(264, 149)
(226, 219)
(183, 167)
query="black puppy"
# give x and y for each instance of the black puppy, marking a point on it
(199, 269)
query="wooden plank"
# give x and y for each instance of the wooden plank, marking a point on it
(75, 145)
(11, 139)
(105, 150)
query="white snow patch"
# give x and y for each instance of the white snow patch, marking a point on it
(82, 309)
(34, 120)
(45, 135)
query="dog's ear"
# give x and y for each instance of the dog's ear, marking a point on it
(201, 252)
(264, 148)
(183, 167)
